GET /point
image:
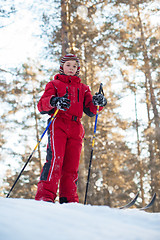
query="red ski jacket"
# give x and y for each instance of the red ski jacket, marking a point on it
(78, 93)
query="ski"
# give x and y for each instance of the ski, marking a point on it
(131, 203)
(150, 203)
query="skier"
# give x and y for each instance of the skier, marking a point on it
(65, 134)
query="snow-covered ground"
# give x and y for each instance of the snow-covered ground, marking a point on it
(22, 219)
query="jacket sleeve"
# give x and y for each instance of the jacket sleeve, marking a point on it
(88, 107)
(44, 105)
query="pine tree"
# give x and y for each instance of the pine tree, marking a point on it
(22, 116)
(138, 44)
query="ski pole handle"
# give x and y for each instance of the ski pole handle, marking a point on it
(101, 89)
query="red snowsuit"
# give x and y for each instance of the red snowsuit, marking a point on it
(65, 137)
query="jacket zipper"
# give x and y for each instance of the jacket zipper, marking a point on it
(78, 94)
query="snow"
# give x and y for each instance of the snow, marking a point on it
(37, 220)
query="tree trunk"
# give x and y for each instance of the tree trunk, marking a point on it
(147, 72)
(37, 131)
(64, 29)
(150, 147)
(140, 164)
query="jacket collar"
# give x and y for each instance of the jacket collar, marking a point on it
(67, 79)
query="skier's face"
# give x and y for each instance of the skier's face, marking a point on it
(70, 68)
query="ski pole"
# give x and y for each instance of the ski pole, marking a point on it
(93, 141)
(32, 153)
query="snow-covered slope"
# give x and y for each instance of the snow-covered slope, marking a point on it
(22, 219)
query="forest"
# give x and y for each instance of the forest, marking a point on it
(118, 44)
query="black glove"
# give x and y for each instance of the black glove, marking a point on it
(99, 99)
(62, 103)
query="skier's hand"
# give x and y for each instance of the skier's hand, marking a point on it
(62, 103)
(99, 100)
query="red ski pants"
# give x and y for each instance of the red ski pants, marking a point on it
(62, 162)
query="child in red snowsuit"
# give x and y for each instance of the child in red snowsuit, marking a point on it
(65, 134)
